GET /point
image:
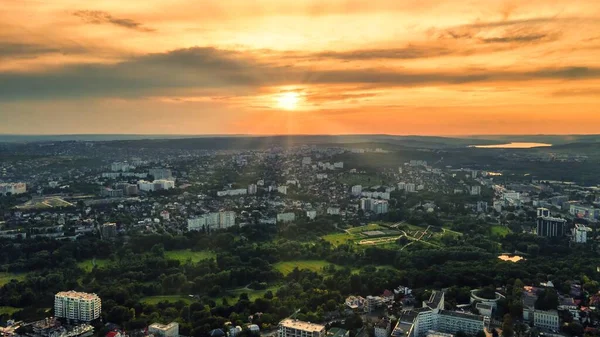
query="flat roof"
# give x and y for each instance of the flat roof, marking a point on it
(77, 294)
(163, 326)
(301, 325)
(461, 315)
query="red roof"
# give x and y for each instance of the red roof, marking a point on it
(387, 293)
(112, 334)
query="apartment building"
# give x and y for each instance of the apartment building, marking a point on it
(294, 328)
(77, 306)
(162, 330)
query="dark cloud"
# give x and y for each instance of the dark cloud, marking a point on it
(516, 38)
(409, 52)
(100, 17)
(183, 71)
(32, 50)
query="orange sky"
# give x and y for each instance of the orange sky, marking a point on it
(378, 66)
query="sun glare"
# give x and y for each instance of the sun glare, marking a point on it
(288, 100)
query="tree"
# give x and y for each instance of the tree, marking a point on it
(480, 333)
(507, 326)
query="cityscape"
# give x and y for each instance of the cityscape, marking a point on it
(299, 236)
(300, 168)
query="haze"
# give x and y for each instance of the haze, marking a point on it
(300, 67)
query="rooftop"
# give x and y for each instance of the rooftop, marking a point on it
(435, 299)
(76, 294)
(301, 325)
(461, 315)
(163, 326)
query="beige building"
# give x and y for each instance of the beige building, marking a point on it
(295, 328)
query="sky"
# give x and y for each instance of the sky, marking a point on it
(423, 67)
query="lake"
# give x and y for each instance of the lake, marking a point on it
(512, 145)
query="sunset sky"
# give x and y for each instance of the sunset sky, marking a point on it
(300, 67)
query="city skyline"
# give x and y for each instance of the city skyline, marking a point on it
(271, 67)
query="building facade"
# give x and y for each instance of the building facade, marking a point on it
(295, 328)
(162, 330)
(77, 306)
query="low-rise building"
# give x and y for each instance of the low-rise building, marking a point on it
(162, 330)
(383, 328)
(295, 328)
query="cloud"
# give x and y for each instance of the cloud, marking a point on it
(23, 50)
(409, 52)
(100, 17)
(576, 92)
(196, 70)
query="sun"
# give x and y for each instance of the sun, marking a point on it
(288, 100)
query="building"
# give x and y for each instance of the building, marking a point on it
(286, 217)
(226, 219)
(333, 210)
(164, 184)
(383, 328)
(295, 328)
(549, 226)
(546, 319)
(410, 188)
(376, 195)
(306, 161)
(475, 190)
(161, 173)
(111, 193)
(312, 214)
(212, 221)
(585, 212)
(453, 322)
(380, 206)
(12, 188)
(482, 207)
(77, 306)
(120, 167)
(252, 189)
(162, 330)
(356, 190)
(580, 233)
(239, 191)
(282, 189)
(356, 303)
(108, 230)
(373, 302)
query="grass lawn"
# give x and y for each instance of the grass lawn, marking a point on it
(188, 255)
(88, 265)
(500, 230)
(369, 227)
(365, 180)
(7, 277)
(166, 298)
(233, 295)
(312, 265)
(8, 310)
(338, 238)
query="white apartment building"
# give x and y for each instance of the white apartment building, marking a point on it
(282, 189)
(375, 195)
(410, 188)
(164, 184)
(295, 328)
(161, 173)
(475, 190)
(546, 319)
(333, 210)
(226, 219)
(212, 221)
(311, 214)
(383, 328)
(12, 188)
(286, 217)
(162, 330)
(120, 167)
(77, 306)
(239, 191)
(306, 161)
(356, 190)
(252, 189)
(580, 233)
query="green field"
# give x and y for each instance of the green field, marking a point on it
(7, 277)
(233, 295)
(188, 255)
(338, 238)
(369, 227)
(8, 310)
(365, 180)
(87, 265)
(166, 298)
(500, 230)
(312, 265)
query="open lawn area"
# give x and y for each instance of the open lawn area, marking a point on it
(88, 265)
(166, 298)
(369, 227)
(233, 295)
(188, 255)
(7, 277)
(500, 230)
(365, 180)
(312, 265)
(338, 238)
(8, 310)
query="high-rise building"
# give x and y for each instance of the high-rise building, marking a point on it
(580, 233)
(161, 173)
(226, 219)
(312, 214)
(550, 226)
(252, 189)
(108, 230)
(356, 190)
(286, 217)
(77, 306)
(475, 190)
(295, 328)
(162, 330)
